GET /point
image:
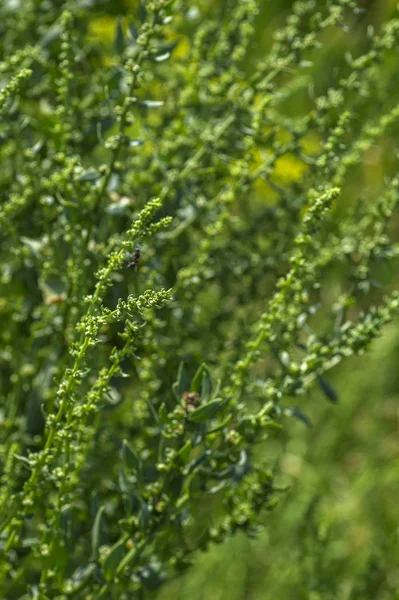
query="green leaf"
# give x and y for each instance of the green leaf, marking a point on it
(221, 425)
(217, 387)
(293, 411)
(153, 411)
(142, 11)
(202, 383)
(130, 457)
(90, 175)
(273, 424)
(132, 31)
(126, 560)
(122, 481)
(207, 411)
(206, 386)
(182, 384)
(327, 389)
(97, 532)
(144, 516)
(81, 576)
(197, 379)
(113, 560)
(185, 451)
(119, 43)
(163, 414)
(66, 520)
(182, 500)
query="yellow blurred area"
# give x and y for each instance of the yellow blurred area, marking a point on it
(102, 29)
(289, 169)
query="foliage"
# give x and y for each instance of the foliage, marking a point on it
(183, 258)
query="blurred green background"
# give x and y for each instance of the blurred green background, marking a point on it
(334, 534)
(335, 531)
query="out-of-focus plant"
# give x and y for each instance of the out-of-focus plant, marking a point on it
(167, 247)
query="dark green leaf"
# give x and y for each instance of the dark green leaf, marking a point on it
(66, 521)
(207, 411)
(113, 560)
(130, 458)
(134, 34)
(182, 383)
(327, 388)
(126, 560)
(185, 451)
(202, 383)
(144, 516)
(119, 43)
(298, 414)
(90, 175)
(97, 532)
(221, 425)
(163, 414)
(81, 576)
(142, 11)
(123, 484)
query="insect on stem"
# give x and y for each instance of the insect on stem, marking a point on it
(134, 259)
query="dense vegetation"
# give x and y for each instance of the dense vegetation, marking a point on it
(198, 222)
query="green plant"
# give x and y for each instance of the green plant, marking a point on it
(181, 260)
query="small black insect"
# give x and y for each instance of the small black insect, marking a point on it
(134, 259)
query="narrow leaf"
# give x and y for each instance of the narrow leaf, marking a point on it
(201, 382)
(126, 560)
(207, 411)
(182, 500)
(185, 451)
(142, 11)
(119, 43)
(221, 426)
(89, 176)
(113, 560)
(130, 458)
(206, 386)
(327, 389)
(97, 532)
(181, 385)
(298, 414)
(134, 34)
(163, 414)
